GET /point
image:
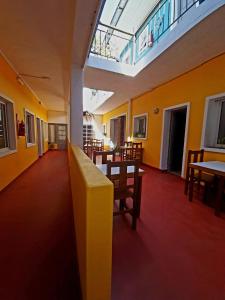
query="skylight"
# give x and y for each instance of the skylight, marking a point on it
(127, 15)
(92, 99)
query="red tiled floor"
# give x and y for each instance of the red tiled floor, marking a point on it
(36, 234)
(177, 252)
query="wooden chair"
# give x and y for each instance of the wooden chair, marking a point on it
(125, 187)
(104, 155)
(137, 152)
(127, 151)
(97, 145)
(88, 148)
(128, 144)
(201, 179)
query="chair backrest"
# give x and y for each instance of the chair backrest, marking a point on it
(98, 145)
(128, 144)
(104, 155)
(137, 145)
(124, 175)
(193, 157)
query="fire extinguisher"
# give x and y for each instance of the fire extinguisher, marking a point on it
(21, 129)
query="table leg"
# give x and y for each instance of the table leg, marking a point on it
(139, 196)
(191, 185)
(219, 195)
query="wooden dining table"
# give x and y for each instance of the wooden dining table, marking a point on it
(130, 172)
(216, 168)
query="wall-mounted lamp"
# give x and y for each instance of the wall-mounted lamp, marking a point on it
(156, 110)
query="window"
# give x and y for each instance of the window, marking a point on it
(143, 40)
(30, 132)
(88, 133)
(140, 126)
(214, 123)
(7, 127)
(4, 144)
(221, 133)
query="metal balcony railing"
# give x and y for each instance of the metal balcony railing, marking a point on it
(109, 42)
(114, 44)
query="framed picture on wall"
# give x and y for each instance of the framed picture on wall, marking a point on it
(140, 124)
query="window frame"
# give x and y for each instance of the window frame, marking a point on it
(219, 148)
(11, 126)
(5, 120)
(142, 33)
(33, 143)
(146, 125)
(45, 124)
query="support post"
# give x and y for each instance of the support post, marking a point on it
(76, 106)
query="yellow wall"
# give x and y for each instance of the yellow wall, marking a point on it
(93, 211)
(193, 87)
(12, 165)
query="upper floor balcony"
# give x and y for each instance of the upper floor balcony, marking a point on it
(167, 21)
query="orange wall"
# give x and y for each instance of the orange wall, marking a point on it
(192, 87)
(12, 165)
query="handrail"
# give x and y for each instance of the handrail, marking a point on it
(164, 15)
(116, 29)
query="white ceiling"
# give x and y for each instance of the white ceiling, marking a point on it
(198, 45)
(37, 38)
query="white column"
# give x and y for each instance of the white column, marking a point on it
(76, 106)
(129, 119)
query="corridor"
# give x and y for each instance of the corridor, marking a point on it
(36, 234)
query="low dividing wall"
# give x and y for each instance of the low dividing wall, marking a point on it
(92, 196)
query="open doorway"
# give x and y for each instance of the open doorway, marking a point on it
(174, 137)
(40, 136)
(118, 130)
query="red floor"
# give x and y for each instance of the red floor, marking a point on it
(36, 234)
(177, 252)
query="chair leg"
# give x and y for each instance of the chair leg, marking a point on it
(205, 193)
(122, 204)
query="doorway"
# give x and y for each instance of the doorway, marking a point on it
(57, 136)
(174, 138)
(40, 136)
(118, 130)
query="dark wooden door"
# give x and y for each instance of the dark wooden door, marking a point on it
(176, 140)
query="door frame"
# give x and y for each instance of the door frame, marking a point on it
(116, 117)
(165, 135)
(40, 136)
